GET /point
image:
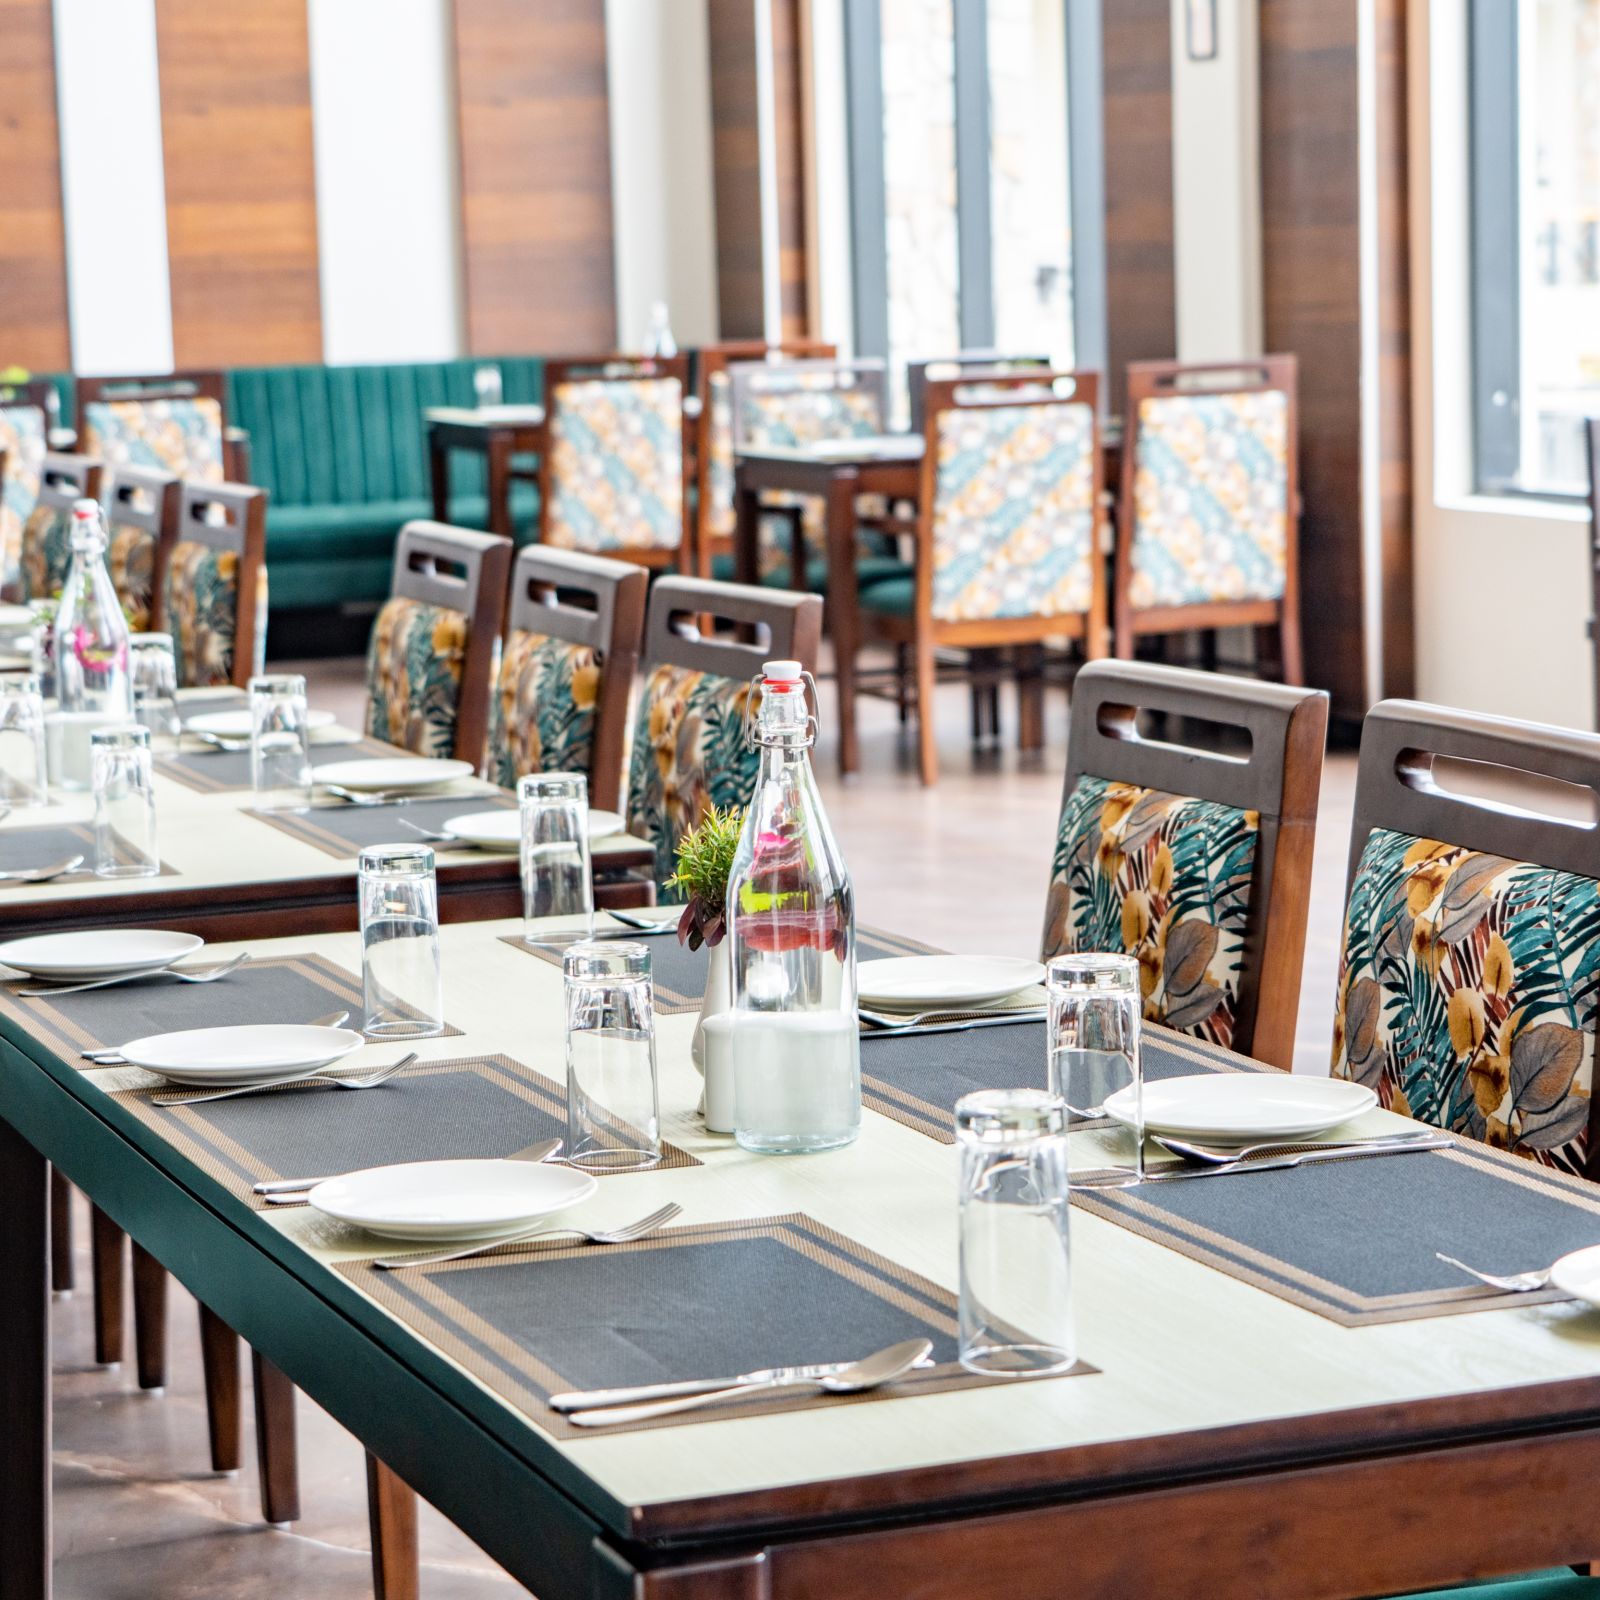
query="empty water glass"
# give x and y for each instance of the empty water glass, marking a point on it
(1093, 1039)
(44, 645)
(613, 1112)
(280, 742)
(124, 803)
(402, 985)
(22, 760)
(1016, 1262)
(486, 384)
(556, 876)
(153, 671)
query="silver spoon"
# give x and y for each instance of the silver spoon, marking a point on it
(876, 1370)
(1219, 1156)
(1511, 1282)
(298, 1186)
(218, 742)
(321, 1076)
(210, 976)
(42, 874)
(115, 1058)
(623, 1235)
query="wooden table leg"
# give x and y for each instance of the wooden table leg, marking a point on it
(277, 1447)
(746, 532)
(149, 1318)
(105, 1242)
(62, 1275)
(392, 1517)
(24, 1370)
(500, 485)
(219, 1360)
(844, 607)
(439, 476)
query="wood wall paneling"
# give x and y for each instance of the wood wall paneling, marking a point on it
(33, 272)
(736, 167)
(241, 184)
(535, 140)
(789, 147)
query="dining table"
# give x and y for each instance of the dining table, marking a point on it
(498, 433)
(1279, 1390)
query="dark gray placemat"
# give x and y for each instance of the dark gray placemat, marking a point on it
(679, 973)
(22, 847)
(1355, 1240)
(482, 1107)
(346, 830)
(212, 771)
(533, 1320)
(916, 1078)
(278, 989)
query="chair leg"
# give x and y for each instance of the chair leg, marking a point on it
(1030, 697)
(1294, 671)
(277, 1446)
(219, 1362)
(902, 683)
(62, 1278)
(149, 1318)
(392, 1517)
(927, 733)
(106, 1256)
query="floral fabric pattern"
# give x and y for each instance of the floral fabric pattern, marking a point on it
(1467, 993)
(182, 436)
(689, 753)
(201, 610)
(46, 552)
(1014, 512)
(542, 719)
(131, 556)
(22, 442)
(1162, 877)
(414, 665)
(616, 465)
(1210, 498)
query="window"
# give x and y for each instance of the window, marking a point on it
(1535, 149)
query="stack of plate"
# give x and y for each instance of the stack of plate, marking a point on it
(247, 1053)
(97, 953)
(1240, 1108)
(412, 774)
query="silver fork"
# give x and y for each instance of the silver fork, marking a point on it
(432, 835)
(219, 742)
(1220, 1156)
(1511, 1282)
(372, 1080)
(42, 874)
(133, 977)
(634, 1230)
(366, 797)
(892, 1022)
(115, 1058)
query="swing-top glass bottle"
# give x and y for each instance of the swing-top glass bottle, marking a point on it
(91, 647)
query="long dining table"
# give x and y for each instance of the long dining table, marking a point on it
(1238, 1423)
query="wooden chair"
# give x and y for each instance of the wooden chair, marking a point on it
(1230, 795)
(211, 583)
(1207, 532)
(572, 644)
(175, 422)
(26, 410)
(1467, 991)
(614, 473)
(995, 567)
(46, 554)
(141, 509)
(920, 373)
(690, 751)
(1592, 431)
(431, 659)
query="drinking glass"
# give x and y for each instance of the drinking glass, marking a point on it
(124, 803)
(1016, 1260)
(44, 645)
(486, 384)
(22, 761)
(280, 742)
(1095, 1008)
(154, 673)
(613, 1112)
(556, 879)
(402, 986)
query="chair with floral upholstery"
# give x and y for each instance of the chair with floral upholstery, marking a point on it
(614, 474)
(430, 661)
(46, 535)
(211, 584)
(176, 423)
(1207, 531)
(140, 506)
(919, 374)
(1470, 970)
(572, 643)
(1192, 850)
(690, 750)
(24, 439)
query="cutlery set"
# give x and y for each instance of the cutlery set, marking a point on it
(623, 1235)
(209, 976)
(1209, 1162)
(322, 1077)
(58, 869)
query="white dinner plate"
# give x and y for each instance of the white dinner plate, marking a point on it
(1236, 1107)
(502, 829)
(243, 1053)
(16, 619)
(1578, 1274)
(408, 772)
(451, 1199)
(236, 724)
(909, 982)
(97, 952)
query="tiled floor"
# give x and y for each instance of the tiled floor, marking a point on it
(962, 865)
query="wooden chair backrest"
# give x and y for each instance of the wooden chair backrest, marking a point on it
(137, 497)
(66, 479)
(765, 377)
(196, 385)
(919, 374)
(788, 627)
(224, 516)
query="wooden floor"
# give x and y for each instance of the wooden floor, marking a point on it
(962, 866)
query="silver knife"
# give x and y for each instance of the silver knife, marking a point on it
(540, 1151)
(590, 1399)
(1126, 1179)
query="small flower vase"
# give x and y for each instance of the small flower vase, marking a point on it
(710, 1049)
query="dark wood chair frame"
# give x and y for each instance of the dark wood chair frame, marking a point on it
(1592, 432)
(66, 479)
(919, 374)
(788, 625)
(623, 369)
(546, 588)
(978, 389)
(138, 497)
(1280, 778)
(225, 516)
(207, 385)
(1157, 379)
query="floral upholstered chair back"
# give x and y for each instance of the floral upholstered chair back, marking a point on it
(137, 503)
(46, 548)
(1470, 973)
(545, 702)
(614, 477)
(22, 444)
(214, 585)
(1014, 511)
(1211, 490)
(181, 435)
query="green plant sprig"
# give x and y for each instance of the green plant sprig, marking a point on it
(705, 863)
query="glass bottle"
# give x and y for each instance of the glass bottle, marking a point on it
(659, 341)
(792, 947)
(91, 640)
